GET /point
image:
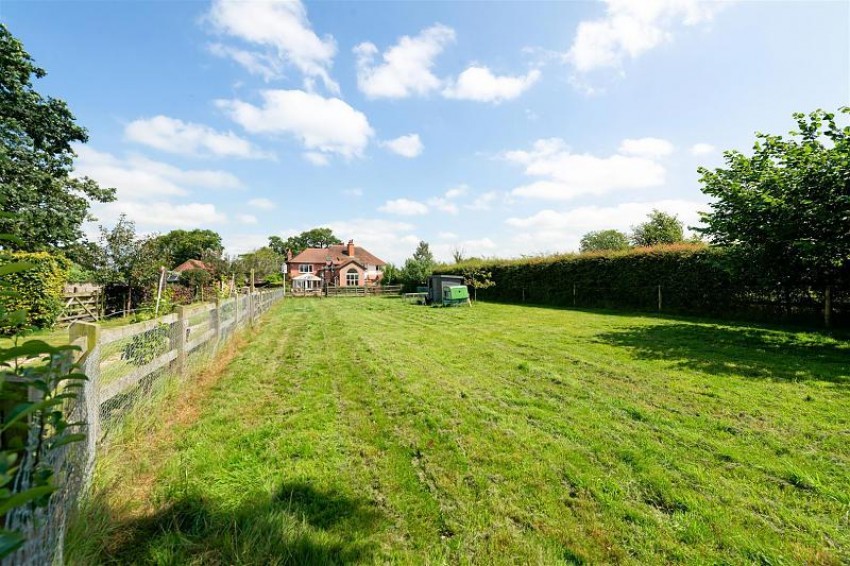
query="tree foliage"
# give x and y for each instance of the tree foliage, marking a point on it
(660, 228)
(35, 293)
(787, 205)
(47, 206)
(478, 278)
(183, 245)
(603, 241)
(314, 238)
(264, 261)
(418, 267)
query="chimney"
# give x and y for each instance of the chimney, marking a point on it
(350, 248)
(288, 255)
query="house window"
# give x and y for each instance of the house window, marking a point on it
(305, 268)
(352, 278)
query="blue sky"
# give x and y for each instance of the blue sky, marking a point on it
(501, 129)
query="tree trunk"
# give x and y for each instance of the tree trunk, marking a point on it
(827, 307)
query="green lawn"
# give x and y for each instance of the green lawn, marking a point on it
(376, 431)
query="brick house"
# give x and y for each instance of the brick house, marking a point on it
(344, 265)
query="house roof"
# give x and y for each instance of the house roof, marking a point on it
(306, 277)
(338, 254)
(191, 264)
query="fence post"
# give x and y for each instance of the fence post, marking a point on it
(178, 338)
(90, 362)
(251, 308)
(659, 298)
(216, 319)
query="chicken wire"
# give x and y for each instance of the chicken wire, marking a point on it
(126, 365)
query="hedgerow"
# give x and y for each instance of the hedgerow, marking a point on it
(690, 278)
(37, 290)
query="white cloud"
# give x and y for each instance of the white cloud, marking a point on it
(447, 236)
(407, 146)
(326, 125)
(236, 244)
(550, 230)
(404, 207)
(176, 136)
(162, 214)
(651, 148)
(280, 28)
(406, 67)
(564, 175)
(457, 191)
(381, 237)
(246, 218)
(703, 149)
(443, 204)
(356, 192)
(316, 158)
(136, 176)
(476, 247)
(483, 201)
(631, 28)
(480, 84)
(262, 203)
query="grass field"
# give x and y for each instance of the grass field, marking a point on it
(370, 430)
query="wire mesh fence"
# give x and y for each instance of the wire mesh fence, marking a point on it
(124, 366)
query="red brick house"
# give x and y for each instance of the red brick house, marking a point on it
(344, 265)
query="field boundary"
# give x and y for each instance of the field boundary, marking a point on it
(123, 365)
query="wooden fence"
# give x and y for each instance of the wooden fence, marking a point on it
(385, 290)
(124, 365)
(82, 306)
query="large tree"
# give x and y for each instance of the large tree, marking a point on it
(788, 204)
(604, 240)
(659, 228)
(264, 261)
(182, 245)
(418, 267)
(48, 206)
(124, 258)
(314, 238)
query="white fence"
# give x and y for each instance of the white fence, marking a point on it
(123, 364)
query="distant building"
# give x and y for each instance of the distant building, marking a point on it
(344, 265)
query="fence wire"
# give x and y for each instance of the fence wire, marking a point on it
(125, 366)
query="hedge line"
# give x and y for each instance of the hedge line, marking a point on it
(37, 290)
(695, 279)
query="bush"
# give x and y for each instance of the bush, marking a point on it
(694, 278)
(38, 290)
(145, 347)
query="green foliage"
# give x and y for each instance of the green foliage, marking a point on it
(40, 421)
(661, 228)
(196, 279)
(788, 205)
(604, 241)
(37, 292)
(144, 348)
(391, 274)
(264, 261)
(314, 238)
(275, 279)
(79, 274)
(478, 278)
(695, 278)
(419, 267)
(183, 245)
(47, 205)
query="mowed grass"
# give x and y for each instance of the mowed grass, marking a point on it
(369, 430)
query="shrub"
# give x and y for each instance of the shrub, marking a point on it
(144, 348)
(38, 290)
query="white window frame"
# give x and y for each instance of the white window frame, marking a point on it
(305, 268)
(352, 273)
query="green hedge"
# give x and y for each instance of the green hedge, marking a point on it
(37, 290)
(695, 279)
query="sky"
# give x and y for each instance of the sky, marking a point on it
(497, 129)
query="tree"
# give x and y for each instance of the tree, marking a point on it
(196, 279)
(458, 255)
(45, 205)
(264, 261)
(391, 274)
(661, 228)
(182, 245)
(125, 259)
(419, 267)
(788, 205)
(314, 238)
(604, 240)
(478, 278)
